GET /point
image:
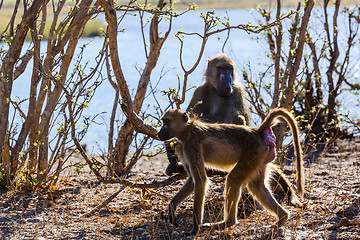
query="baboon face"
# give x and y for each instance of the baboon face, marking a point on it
(220, 74)
(224, 86)
(174, 124)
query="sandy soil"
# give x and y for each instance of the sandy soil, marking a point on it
(332, 197)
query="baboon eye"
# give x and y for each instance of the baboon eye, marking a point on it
(185, 117)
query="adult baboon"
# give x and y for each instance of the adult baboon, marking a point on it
(239, 150)
(221, 99)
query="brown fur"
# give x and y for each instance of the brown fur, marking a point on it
(210, 106)
(207, 103)
(238, 150)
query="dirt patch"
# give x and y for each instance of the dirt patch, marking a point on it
(332, 196)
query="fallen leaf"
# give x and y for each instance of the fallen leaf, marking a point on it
(53, 187)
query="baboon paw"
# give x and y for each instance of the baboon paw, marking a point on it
(206, 226)
(194, 231)
(173, 221)
(297, 203)
(171, 169)
(171, 217)
(303, 205)
(276, 228)
(216, 226)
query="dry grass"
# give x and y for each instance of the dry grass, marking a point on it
(333, 193)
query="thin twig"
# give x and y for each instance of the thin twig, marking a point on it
(104, 203)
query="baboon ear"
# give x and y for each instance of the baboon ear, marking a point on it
(185, 117)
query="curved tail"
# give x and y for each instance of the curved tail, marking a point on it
(289, 118)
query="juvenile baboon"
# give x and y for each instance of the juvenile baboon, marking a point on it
(238, 150)
(221, 99)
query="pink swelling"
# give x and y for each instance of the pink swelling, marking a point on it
(269, 140)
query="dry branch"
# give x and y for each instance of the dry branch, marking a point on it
(104, 203)
(344, 222)
(111, 19)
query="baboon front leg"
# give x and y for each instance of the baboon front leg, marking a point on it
(200, 182)
(263, 195)
(184, 192)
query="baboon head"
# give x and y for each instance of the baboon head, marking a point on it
(220, 74)
(174, 124)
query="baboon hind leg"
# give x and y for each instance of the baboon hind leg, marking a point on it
(183, 193)
(263, 195)
(235, 182)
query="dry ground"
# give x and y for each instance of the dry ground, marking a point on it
(333, 193)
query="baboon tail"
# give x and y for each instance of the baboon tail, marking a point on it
(289, 118)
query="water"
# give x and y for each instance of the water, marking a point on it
(239, 47)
